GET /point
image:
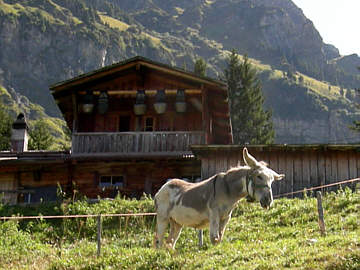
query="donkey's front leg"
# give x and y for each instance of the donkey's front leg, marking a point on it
(161, 225)
(214, 227)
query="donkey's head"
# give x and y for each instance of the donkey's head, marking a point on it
(259, 180)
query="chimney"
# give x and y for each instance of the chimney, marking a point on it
(19, 134)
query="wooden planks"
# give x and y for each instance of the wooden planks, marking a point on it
(303, 169)
(135, 142)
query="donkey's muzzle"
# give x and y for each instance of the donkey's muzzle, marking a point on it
(266, 202)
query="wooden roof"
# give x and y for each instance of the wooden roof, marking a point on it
(200, 150)
(130, 63)
(46, 157)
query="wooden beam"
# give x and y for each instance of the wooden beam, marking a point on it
(140, 76)
(206, 115)
(221, 123)
(149, 92)
(75, 112)
(218, 114)
(183, 74)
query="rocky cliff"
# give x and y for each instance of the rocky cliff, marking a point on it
(46, 41)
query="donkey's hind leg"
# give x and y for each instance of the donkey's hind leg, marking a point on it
(175, 230)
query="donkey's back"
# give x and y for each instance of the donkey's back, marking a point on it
(183, 202)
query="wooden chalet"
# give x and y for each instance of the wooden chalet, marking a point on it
(133, 124)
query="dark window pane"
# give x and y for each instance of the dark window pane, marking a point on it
(118, 180)
(124, 123)
(105, 181)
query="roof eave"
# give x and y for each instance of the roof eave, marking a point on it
(60, 86)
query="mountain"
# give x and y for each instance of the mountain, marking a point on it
(305, 81)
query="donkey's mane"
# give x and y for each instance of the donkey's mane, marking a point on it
(264, 163)
(239, 167)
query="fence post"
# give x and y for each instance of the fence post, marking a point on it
(321, 213)
(200, 234)
(200, 231)
(357, 188)
(98, 235)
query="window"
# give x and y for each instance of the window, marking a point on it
(124, 123)
(111, 181)
(149, 124)
(145, 123)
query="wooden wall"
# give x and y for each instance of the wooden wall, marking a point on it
(140, 176)
(303, 167)
(41, 180)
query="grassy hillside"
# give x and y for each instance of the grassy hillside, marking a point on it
(284, 237)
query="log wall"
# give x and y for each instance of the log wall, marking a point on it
(17, 180)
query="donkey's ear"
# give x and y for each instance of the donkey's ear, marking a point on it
(278, 176)
(249, 159)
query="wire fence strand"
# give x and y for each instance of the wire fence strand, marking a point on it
(79, 216)
(154, 214)
(318, 187)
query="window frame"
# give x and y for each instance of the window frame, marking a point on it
(112, 182)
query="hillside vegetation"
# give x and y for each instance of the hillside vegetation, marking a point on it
(285, 237)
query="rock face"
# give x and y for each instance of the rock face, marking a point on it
(333, 130)
(43, 42)
(32, 59)
(349, 63)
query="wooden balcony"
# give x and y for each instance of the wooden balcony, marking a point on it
(135, 143)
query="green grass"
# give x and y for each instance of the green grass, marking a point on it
(285, 237)
(321, 88)
(114, 23)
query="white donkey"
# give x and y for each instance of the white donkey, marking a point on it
(211, 201)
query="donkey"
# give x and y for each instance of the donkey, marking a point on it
(210, 202)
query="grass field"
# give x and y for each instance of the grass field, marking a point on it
(284, 237)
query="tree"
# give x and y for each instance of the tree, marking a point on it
(5, 129)
(200, 67)
(40, 137)
(250, 122)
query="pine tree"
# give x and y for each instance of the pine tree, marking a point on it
(40, 137)
(250, 122)
(200, 67)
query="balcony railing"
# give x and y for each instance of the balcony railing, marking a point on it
(135, 143)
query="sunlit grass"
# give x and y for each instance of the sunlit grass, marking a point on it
(114, 23)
